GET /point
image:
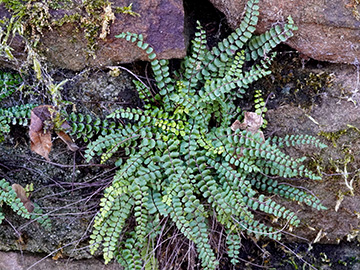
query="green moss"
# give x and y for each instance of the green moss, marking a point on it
(333, 136)
(90, 17)
(344, 167)
(291, 83)
(61, 4)
(126, 10)
(350, 131)
(67, 18)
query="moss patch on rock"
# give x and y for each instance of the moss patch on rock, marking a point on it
(92, 17)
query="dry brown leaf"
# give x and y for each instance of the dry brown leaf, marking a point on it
(41, 143)
(236, 125)
(21, 194)
(40, 139)
(69, 142)
(43, 120)
(252, 122)
(44, 113)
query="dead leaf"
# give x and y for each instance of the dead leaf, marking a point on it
(252, 122)
(21, 194)
(40, 138)
(41, 143)
(69, 142)
(237, 125)
(44, 113)
(44, 119)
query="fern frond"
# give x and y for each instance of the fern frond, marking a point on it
(106, 146)
(233, 241)
(160, 67)
(17, 115)
(40, 217)
(260, 108)
(130, 256)
(9, 83)
(109, 223)
(194, 63)
(140, 192)
(261, 45)
(85, 126)
(285, 190)
(152, 118)
(145, 93)
(215, 61)
(298, 140)
(193, 226)
(9, 197)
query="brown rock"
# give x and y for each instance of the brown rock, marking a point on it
(328, 30)
(161, 22)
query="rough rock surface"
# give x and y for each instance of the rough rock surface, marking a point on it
(161, 22)
(338, 116)
(328, 30)
(18, 261)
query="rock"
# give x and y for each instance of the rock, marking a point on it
(90, 40)
(337, 115)
(18, 261)
(328, 30)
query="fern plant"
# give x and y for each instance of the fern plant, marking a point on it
(185, 162)
(16, 115)
(8, 84)
(8, 196)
